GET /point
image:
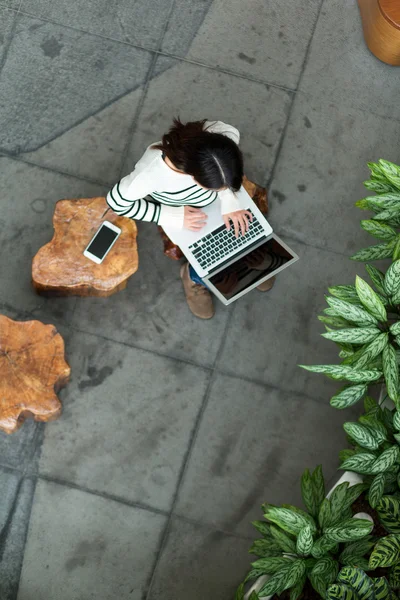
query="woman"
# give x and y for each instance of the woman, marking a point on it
(193, 165)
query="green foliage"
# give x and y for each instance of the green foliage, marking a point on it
(354, 584)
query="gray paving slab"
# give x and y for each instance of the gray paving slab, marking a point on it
(11, 4)
(71, 78)
(151, 312)
(259, 39)
(25, 226)
(199, 562)
(141, 22)
(7, 21)
(21, 449)
(253, 444)
(342, 71)
(15, 507)
(271, 333)
(320, 172)
(127, 422)
(82, 546)
(260, 118)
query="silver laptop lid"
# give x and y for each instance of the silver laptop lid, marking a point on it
(250, 269)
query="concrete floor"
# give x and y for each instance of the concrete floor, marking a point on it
(174, 430)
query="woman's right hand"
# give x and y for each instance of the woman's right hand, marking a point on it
(194, 218)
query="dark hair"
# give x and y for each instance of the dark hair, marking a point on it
(213, 159)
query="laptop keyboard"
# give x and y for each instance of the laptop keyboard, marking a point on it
(221, 243)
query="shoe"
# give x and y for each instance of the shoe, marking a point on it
(197, 296)
(266, 285)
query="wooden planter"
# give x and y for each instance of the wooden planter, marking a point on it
(381, 25)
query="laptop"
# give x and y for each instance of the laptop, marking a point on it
(229, 266)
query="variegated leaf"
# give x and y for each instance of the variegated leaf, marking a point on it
(396, 420)
(263, 528)
(361, 435)
(287, 519)
(376, 490)
(297, 589)
(284, 578)
(386, 460)
(370, 300)
(378, 230)
(390, 171)
(359, 463)
(388, 511)
(308, 494)
(305, 541)
(285, 542)
(319, 485)
(386, 552)
(378, 187)
(356, 549)
(348, 396)
(348, 531)
(394, 577)
(341, 592)
(353, 335)
(270, 565)
(392, 278)
(322, 546)
(344, 372)
(359, 581)
(338, 502)
(265, 547)
(371, 351)
(351, 312)
(396, 249)
(375, 252)
(391, 215)
(395, 328)
(334, 321)
(345, 292)
(377, 278)
(391, 372)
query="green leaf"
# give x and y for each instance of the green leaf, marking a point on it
(253, 574)
(359, 463)
(334, 321)
(386, 552)
(394, 577)
(323, 574)
(392, 278)
(348, 396)
(305, 541)
(322, 546)
(263, 528)
(308, 495)
(378, 187)
(388, 511)
(391, 215)
(341, 592)
(353, 335)
(270, 565)
(376, 490)
(344, 372)
(297, 589)
(353, 492)
(369, 403)
(377, 278)
(395, 328)
(376, 172)
(396, 250)
(319, 486)
(370, 300)
(371, 351)
(391, 372)
(361, 435)
(349, 531)
(386, 460)
(382, 590)
(375, 252)
(284, 578)
(240, 592)
(396, 420)
(376, 427)
(378, 230)
(351, 312)
(356, 550)
(287, 519)
(390, 171)
(265, 548)
(324, 516)
(307, 517)
(338, 501)
(253, 596)
(345, 292)
(284, 541)
(358, 581)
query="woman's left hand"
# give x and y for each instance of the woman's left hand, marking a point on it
(240, 220)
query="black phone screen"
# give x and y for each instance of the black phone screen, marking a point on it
(102, 241)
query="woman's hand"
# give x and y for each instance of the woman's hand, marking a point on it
(194, 218)
(240, 220)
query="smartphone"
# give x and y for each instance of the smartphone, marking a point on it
(102, 242)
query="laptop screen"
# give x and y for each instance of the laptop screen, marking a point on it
(250, 268)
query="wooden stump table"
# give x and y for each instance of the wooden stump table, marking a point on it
(381, 25)
(32, 370)
(61, 269)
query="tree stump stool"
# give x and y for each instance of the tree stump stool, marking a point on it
(256, 192)
(61, 269)
(32, 370)
(381, 25)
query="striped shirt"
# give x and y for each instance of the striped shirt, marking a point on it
(154, 192)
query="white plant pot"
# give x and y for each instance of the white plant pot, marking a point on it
(353, 479)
